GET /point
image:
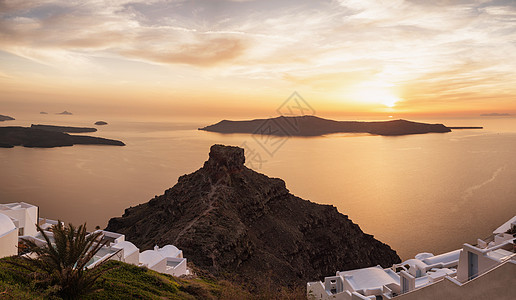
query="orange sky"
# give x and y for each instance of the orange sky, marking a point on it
(238, 58)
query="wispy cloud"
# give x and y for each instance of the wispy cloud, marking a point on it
(204, 53)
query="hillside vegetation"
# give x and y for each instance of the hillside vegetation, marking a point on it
(126, 281)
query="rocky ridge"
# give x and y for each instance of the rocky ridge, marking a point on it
(315, 126)
(64, 129)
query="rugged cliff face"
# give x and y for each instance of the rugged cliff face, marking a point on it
(231, 220)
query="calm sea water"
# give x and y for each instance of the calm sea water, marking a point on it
(421, 193)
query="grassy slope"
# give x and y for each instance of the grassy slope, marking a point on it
(122, 282)
(127, 281)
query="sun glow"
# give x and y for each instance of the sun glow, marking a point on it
(375, 92)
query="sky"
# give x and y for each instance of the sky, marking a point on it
(243, 58)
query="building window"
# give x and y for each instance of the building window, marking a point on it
(20, 231)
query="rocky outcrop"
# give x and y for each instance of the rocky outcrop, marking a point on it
(31, 137)
(230, 220)
(496, 115)
(5, 118)
(67, 129)
(315, 126)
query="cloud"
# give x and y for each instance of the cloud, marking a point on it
(35, 30)
(203, 53)
(331, 80)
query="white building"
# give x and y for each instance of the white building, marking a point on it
(24, 216)
(486, 255)
(487, 270)
(8, 236)
(344, 285)
(131, 253)
(18, 221)
(167, 260)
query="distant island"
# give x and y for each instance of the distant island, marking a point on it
(66, 129)
(39, 138)
(315, 126)
(5, 118)
(64, 113)
(496, 115)
(101, 123)
(43, 113)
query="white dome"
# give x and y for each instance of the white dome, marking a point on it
(6, 224)
(150, 257)
(129, 248)
(169, 251)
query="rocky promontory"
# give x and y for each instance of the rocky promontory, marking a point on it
(236, 223)
(5, 118)
(315, 126)
(38, 138)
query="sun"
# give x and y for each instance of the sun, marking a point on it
(375, 92)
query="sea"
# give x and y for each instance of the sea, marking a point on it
(416, 193)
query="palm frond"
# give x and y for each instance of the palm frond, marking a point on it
(63, 263)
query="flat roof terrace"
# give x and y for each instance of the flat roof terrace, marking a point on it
(368, 278)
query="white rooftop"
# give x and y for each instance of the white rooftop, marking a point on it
(500, 254)
(15, 205)
(370, 278)
(129, 248)
(422, 281)
(448, 257)
(436, 274)
(168, 251)
(150, 257)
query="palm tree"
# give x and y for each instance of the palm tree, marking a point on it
(61, 264)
